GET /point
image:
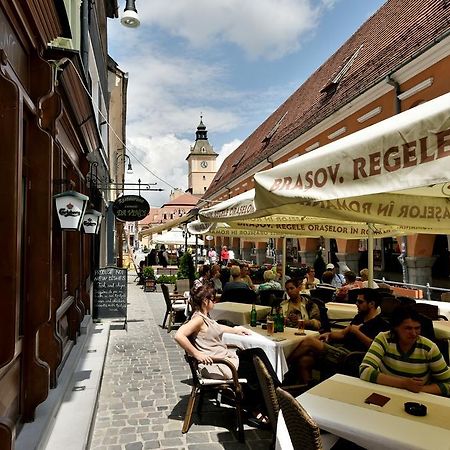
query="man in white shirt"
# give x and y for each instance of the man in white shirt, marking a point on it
(338, 279)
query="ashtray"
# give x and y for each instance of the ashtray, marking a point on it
(415, 409)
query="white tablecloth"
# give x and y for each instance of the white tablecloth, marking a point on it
(371, 427)
(238, 313)
(341, 310)
(277, 348)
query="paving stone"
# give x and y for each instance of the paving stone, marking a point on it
(143, 399)
(134, 446)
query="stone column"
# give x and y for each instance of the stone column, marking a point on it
(246, 250)
(351, 260)
(419, 269)
(261, 248)
(235, 245)
(307, 258)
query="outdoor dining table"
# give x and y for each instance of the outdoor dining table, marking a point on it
(277, 347)
(238, 313)
(338, 406)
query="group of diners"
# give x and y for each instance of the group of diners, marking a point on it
(396, 354)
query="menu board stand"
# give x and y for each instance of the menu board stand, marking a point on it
(110, 293)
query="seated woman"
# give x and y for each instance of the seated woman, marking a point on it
(269, 281)
(310, 281)
(350, 283)
(205, 276)
(300, 307)
(245, 277)
(201, 337)
(403, 358)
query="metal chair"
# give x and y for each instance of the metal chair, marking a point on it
(429, 310)
(200, 385)
(174, 309)
(303, 431)
(239, 295)
(271, 297)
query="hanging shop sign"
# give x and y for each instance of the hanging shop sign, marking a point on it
(71, 206)
(91, 221)
(130, 208)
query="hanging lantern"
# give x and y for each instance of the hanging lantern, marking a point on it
(71, 206)
(91, 221)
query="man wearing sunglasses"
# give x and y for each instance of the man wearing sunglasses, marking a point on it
(329, 349)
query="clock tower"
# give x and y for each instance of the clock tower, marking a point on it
(201, 161)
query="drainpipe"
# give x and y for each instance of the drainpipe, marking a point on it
(397, 101)
(269, 161)
(84, 38)
(403, 245)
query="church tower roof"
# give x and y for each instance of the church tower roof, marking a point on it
(202, 145)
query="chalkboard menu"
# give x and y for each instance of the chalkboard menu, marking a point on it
(110, 293)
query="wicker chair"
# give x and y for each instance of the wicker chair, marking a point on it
(268, 389)
(200, 385)
(175, 309)
(303, 431)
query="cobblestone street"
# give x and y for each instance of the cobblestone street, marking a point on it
(145, 389)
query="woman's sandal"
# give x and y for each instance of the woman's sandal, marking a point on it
(259, 421)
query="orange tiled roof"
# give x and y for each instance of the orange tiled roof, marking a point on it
(398, 31)
(183, 200)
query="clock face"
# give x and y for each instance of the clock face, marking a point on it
(204, 164)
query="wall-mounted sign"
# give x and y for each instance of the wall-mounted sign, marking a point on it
(130, 208)
(70, 206)
(91, 221)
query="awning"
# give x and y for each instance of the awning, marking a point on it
(170, 224)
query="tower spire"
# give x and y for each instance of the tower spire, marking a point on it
(201, 132)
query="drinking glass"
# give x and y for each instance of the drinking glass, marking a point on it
(270, 326)
(301, 327)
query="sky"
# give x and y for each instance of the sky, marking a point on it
(233, 61)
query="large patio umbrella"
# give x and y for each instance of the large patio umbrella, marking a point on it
(395, 172)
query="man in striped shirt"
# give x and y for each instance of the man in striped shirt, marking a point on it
(403, 358)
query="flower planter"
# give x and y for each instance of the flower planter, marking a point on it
(150, 285)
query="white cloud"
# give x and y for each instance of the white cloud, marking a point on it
(165, 156)
(262, 28)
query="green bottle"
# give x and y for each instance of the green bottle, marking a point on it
(253, 316)
(280, 320)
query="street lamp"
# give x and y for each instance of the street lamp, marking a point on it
(130, 17)
(125, 157)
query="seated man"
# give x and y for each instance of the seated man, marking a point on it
(403, 358)
(299, 307)
(236, 282)
(331, 348)
(327, 278)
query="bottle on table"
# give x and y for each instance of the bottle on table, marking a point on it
(270, 323)
(253, 316)
(279, 324)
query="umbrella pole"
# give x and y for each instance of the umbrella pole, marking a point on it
(370, 254)
(283, 262)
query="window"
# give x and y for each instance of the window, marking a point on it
(204, 177)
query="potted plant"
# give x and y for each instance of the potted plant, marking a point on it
(150, 279)
(185, 274)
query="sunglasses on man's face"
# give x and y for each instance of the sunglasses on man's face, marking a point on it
(359, 301)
